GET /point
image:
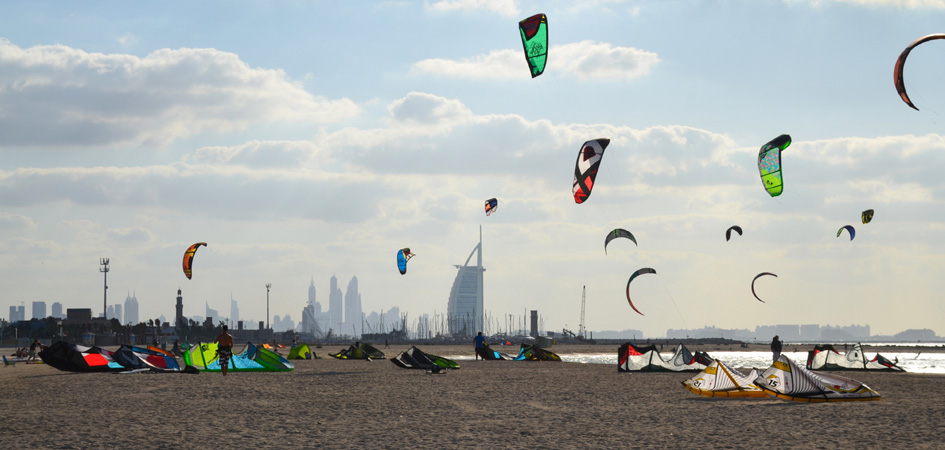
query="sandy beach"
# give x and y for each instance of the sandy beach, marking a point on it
(329, 403)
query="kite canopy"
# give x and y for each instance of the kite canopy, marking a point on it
(634, 275)
(359, 350)
(631, 358)
(769, 164)
(488, 354)
(618, 233)
(753, 284)
(403, 255)
(901, 62)
(867, 216)
(728, 232)
(77, 358)
(849, 229)
(585, 169)
(301, 351)
(534, 353)
(534, 31)
(718, 380)
(491, 205)
(413, 358)
(253, 358)
(789, 381)
(825, 357)
(189, 257)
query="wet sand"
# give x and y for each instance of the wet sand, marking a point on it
(329, 403)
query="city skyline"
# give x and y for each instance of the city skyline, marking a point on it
(132, 133)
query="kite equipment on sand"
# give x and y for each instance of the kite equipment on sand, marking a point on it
(789, 381)
(718, 380)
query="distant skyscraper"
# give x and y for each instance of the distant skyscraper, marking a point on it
(465, 307)
(131, 310)
(212, 313)
(21, 312)
(234, 312)
(353, 307)
(15, 313)
(334, 306)
(57, 310)
(310, 313)
(39, 310)
(114, 312)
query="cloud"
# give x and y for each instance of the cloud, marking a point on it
(58, 95)
(133, 235)
(908, 4)
(262, 154)
(585, 60)
(10, 221)
(506, 8)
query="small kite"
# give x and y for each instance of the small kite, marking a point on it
(636, 274)
(189, 258)
(769, 164)
(534, 32)
(867, 216)
(753, 284)
(618, 233)
(728, 232)
(585, 169)
(900, 63)
(403, 255)
(849, 229)
(491, 205)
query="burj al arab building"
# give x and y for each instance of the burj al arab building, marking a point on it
(465, 312)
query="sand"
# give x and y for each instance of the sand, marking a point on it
(329, 403)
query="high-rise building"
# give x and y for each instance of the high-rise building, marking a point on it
(57, 311)
(234, 312)
(114, 312)
(311, 312)
(335, 313)
(39, 310)
(17, 314)
(212, 314)
(131, 309)
(465, 308)
(353, 307)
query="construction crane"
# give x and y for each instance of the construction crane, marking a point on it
(581, 328)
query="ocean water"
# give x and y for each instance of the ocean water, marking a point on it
(913, 362)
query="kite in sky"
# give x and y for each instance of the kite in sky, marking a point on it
(403, 255)
(636, 274)
(189, 257)
(753, 284)
(867, 216)
(534, 32)
(491, 205)
(728, 232)
(585, 169)
(618, 233)
(897, 71)
(849, 229)
(769, 164)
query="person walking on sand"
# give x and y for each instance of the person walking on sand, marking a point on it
(775, 349)
(33, 347)
(480, 344)
(224, 349)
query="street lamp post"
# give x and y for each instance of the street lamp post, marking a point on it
(268, 285)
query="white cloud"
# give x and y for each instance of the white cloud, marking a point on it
(132, 235)
(910, 4)
(506, 8)
(583, 60)
(58, 95)
(10, 221)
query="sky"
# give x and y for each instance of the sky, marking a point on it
(306, 139)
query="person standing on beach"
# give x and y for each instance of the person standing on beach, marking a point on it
(33, 347)
(224, 349)
(775, 349)
(480, 343)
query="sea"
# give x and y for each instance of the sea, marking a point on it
(912, 361)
